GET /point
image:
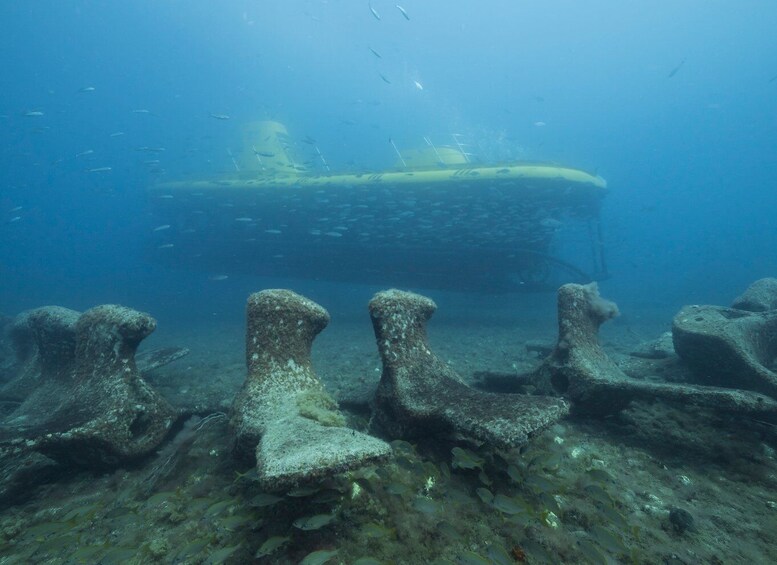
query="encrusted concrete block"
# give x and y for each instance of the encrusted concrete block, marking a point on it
(659, 348)
(580, 369)
(419, 395)
(759, 296)
(729, 347)
(90, 406)
(7, 355)
(282, 414)
(44, 342)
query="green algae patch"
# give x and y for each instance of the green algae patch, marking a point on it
(320, 407)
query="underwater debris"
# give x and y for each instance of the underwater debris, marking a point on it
(728, 347)
(167, 458)
(152, 359)
(279, 413)
(659, 348)
(758, 297)
(419, 395)
(43, 340)
(580, 369)
(87, 404)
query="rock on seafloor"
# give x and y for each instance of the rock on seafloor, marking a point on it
(659, 348)
(153, 359)
(282, 414)
(421, 396)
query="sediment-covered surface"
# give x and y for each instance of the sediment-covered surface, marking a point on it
(584, 489)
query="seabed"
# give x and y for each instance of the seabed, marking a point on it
(654, 484)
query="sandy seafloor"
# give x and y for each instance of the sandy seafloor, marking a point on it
(584, 491)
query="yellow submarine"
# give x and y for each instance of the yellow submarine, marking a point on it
(437, 220)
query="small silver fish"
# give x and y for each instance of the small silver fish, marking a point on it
(387, 81)
(33, 114)
(101, 170)
(378, 55)
(271, 545)
(141, 111)
(86, 89)
(117, 133)
(316, 522)
(218, 277)
(162, 227)
(318, 557)
(220, 116)
(374, 12)
(85, 153)
(403, 12)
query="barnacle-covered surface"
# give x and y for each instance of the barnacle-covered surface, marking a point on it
(583, 491)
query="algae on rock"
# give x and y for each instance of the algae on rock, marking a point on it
(282, 414)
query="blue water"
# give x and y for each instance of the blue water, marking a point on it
(691, 158)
